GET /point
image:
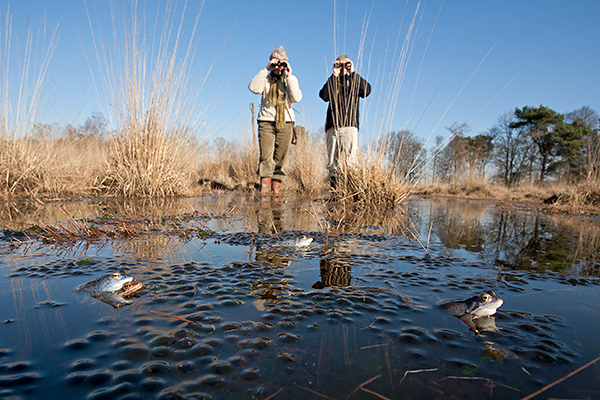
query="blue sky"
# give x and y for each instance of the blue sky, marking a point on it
(469, 61)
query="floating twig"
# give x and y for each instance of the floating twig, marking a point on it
(375, 394)
(274, 227)
(373, 345)
(556, 382)
(171, 316)
(274, 394)
(415, 371)
(361, 385)
(313, 392)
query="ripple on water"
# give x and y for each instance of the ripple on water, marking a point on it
(83, 365)
(156, 368)
(152, 384)
(113, 392)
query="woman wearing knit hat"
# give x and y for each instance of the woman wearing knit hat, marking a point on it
(279, 89)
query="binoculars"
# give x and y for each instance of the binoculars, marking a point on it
(280, 64)
(347, 65)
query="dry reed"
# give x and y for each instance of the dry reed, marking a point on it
(24, 159)
(152, 84)
(227, 164)
(580, 198)
(307, 172)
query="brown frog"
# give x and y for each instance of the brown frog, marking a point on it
(112, 288)
(482, 305)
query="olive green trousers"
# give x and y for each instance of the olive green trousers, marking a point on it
(274, 145)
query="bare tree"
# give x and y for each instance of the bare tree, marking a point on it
(451, 160)
(405, 152)
(511, 150)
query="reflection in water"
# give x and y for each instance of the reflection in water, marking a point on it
(270, 215)
(335, 272)
(518, 240)
(503, 236)
(251, 328)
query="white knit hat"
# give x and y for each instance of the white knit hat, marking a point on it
(279, 53)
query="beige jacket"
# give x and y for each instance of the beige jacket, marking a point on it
(261, 84)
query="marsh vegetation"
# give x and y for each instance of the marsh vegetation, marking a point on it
(150, 143)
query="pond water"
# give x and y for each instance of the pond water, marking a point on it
(227, 311)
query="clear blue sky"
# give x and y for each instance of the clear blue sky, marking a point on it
(542, 52)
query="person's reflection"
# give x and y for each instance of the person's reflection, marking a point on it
(270, 215)
(335, 272)
(272, 256)
(270, 221)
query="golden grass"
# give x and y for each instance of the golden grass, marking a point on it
(580, 198)
(486, 191)
(307, 171)
(24, 159)
(229, 164)
(369, 185)
(153, 88)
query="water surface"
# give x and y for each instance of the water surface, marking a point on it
(354, 315)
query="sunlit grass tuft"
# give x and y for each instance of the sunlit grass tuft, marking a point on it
(370, 183)
(153, 92)
(307, 165)
(229, 163)
(24, 158)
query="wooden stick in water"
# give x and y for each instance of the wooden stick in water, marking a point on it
(172, 316)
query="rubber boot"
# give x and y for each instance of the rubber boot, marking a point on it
(265, 185)
(275, 185)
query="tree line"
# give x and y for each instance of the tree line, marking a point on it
(529, 144)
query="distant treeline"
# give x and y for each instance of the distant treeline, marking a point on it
(527, 145)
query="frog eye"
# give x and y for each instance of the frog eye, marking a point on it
(486, 297)
(116, 275)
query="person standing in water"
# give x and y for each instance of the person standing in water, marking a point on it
(279, 90)
(342, 90)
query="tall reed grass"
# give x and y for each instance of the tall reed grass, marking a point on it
(307, 173)
(26, 165)
(153, 89)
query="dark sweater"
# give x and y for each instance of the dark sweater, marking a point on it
(343, 93)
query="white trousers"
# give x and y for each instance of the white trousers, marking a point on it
(342, 147)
